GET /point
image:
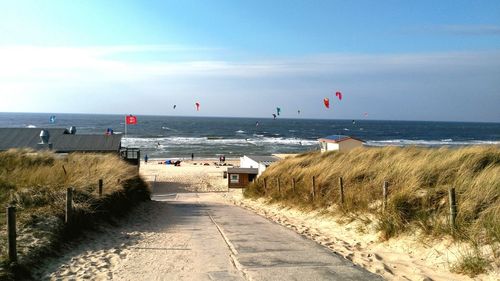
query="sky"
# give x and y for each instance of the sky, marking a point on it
(392, 60)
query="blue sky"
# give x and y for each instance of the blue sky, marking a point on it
(399, 60)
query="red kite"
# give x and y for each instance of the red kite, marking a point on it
(326, 101)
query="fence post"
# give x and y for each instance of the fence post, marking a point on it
(279, 187)
(69, 204)
(11, 233)
(313, 188)
(385, 193)
(100, 187)
(265, 185)
(341, 186)
(453, 207)
(293, 185)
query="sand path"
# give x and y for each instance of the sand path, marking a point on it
(198, 236)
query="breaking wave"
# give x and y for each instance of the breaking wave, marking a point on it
(429, 143)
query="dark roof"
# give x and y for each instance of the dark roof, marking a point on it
(337, 138)
(61, 142)
(266, 160)
(238, 170)
(68, 143)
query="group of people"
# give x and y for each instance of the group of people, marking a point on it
(222, 159)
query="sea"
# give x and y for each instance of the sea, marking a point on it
(211, 137)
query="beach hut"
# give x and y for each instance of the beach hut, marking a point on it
(340, 143)
(258, 162)
(240, 177)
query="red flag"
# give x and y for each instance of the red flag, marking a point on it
(131, 119)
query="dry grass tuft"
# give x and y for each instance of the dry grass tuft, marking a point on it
(419, 180)
(36, 183)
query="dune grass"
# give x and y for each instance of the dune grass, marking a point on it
(419, 179)
(36, 182)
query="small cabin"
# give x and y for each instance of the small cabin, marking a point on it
(258, 162)
(240, 177)
(340, 143)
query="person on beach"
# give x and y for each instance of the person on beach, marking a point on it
(192, 156)
(146, 159)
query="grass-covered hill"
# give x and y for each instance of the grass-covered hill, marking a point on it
(418, 178)
(36, 182)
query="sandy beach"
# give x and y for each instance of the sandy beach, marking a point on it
(202, 175)
(116, 256)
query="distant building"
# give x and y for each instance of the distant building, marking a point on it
(259, 162)
(59, 140)
(240, 177)
(250, 168)
(340, 143)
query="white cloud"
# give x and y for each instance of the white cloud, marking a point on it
(484, 29)
(456, 29)
(94, 64)
(431, 86)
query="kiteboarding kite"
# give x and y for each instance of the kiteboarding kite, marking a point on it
(197, 106)
(278, 110)
(339, 95)
(326, 101)
(175, 106)
(298, 111)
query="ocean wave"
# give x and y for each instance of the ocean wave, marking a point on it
(429, 143)
(210, 141)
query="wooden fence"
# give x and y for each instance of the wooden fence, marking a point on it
(11, 221)
(314, 195)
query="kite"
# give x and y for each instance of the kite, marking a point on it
(298, 111)
(197, 106)
(175, 106)
(278, 110)
(365, 114)
(326, 101)
(339, 95)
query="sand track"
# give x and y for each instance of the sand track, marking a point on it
(193, 236)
